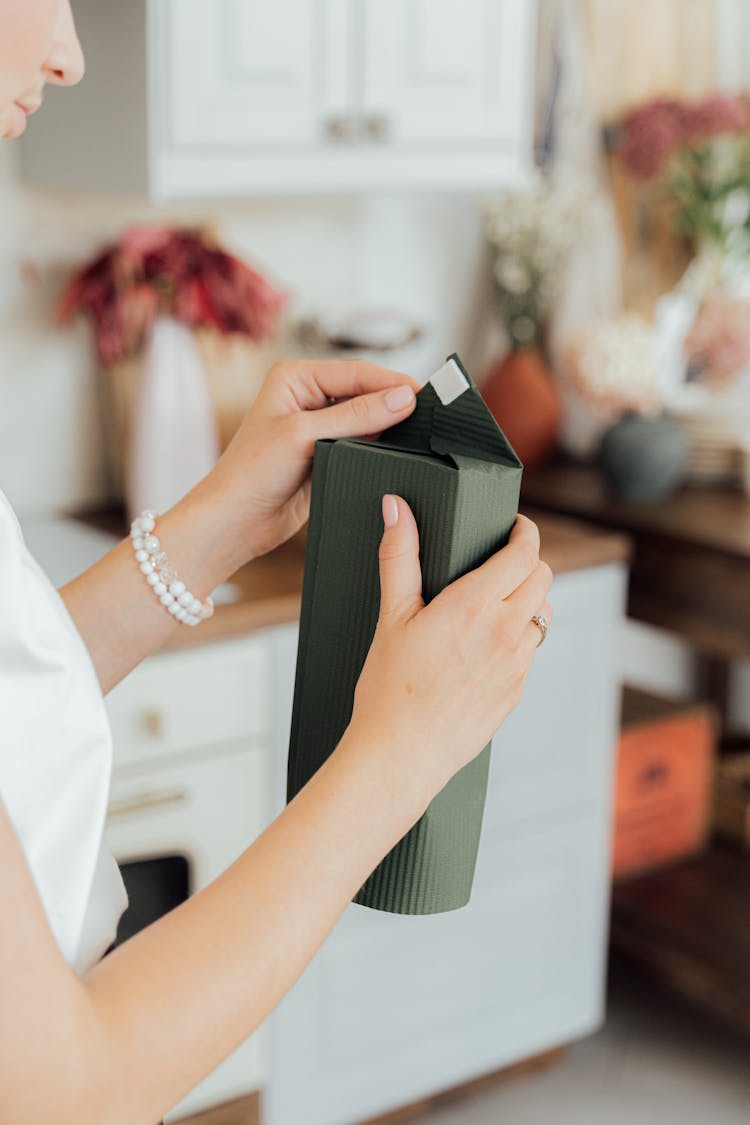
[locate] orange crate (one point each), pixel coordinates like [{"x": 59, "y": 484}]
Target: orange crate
[{"x": 664, "y": 782}]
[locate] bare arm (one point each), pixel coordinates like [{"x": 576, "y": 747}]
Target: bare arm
[
  {"x": 203, "y": 977},
  {"x": 114, "y": 610}
]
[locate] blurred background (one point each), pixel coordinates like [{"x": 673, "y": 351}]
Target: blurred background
[{"x": 559, "y": 191}]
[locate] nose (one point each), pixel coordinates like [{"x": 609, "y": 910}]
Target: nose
[{"x": 64, "y": 65}]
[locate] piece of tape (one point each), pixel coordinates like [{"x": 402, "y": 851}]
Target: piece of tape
[{"x": 449, "y": 382}]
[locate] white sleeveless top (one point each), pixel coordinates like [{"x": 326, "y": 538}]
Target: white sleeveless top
[{"x": 55, "y": 755}]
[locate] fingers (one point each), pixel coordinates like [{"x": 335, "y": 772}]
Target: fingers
[
  {"x": 511, "y": 565},
  {"x": 345, "y": 378},
  {"x": 314, "y": 382},
  {"x": 366, "y": 414},
  {"x": 527, "y": 598},
  {"x": 400, "y": 572}
]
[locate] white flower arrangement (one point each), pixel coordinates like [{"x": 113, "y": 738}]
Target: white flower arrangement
[
  {"x": 614, "y": 365},
  {"x": 530, "y": 232}
]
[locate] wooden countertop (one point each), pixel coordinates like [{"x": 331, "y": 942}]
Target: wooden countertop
[{"x": 270, "y": 587}]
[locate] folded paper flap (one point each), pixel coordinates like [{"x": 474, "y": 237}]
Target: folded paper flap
[
  {"x": 463, "y": 425},
  {"x": 339, "y": 445}
]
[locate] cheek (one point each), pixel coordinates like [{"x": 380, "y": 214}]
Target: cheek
[{"x": 27, "y": 29}]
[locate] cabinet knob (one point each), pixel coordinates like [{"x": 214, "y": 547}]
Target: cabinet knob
[
  {"x": 377, "y": 126},
  {"x": 153, "y": 722},
  {"x": 339, "y": 128}
]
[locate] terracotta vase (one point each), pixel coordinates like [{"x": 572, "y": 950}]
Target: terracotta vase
[{"x": 524, "y": 400}]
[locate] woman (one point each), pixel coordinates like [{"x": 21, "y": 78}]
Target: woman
[{"x": 122, "y": 1039}]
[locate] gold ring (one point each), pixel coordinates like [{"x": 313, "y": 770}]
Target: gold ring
[{"x": 542, "y": 625}]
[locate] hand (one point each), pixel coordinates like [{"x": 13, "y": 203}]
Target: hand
[
  {"x": 263, "y": 479},
  {"x": 440, "y": 679}
]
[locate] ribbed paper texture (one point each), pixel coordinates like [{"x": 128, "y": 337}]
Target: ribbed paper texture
[{"x": 465, "y": 507}]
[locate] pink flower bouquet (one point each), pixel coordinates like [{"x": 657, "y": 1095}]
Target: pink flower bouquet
[{"x": 718, "y": 344}]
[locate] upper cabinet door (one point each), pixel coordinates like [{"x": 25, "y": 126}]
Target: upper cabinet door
[
  {"x": 248, "y": 72},
  {"x": 205, "y": 99},
  {"x": 448, "y": 72}
]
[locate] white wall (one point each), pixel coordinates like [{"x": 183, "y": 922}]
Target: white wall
[{"x": 422, "y": 254}]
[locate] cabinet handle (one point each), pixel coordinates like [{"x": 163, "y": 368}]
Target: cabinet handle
[
  {"x": 377, "y": 126},
  {"x": 146, "y": 802},
  {"x": 153, "y": 722},
  {"x": 339, "y": 128}
]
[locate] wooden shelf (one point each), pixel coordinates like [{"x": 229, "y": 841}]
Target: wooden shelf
[
  {"x": 690, "y": 566},
  {"x": 690, "y": 926}
]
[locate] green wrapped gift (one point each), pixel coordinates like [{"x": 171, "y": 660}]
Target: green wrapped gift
[{"x": 456, "y": 470}]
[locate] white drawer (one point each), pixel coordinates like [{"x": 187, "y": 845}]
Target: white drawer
[
  {"x": 199, "y": 697},
  {"x": 556, "y": 750},
  {"x": 208, "y": 811}
]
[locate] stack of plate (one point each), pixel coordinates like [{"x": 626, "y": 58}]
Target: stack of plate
[
  {"x": 717, "y": 427},
  {"x": 714, "y": 445}
]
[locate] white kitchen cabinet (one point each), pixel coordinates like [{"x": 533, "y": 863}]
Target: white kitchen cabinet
[
  {"x": 218, "y": 98},
  {"x": 445, "y": 73},
  {"x": 395, "y": 1008},
  {"x": 248, "y": 73}
]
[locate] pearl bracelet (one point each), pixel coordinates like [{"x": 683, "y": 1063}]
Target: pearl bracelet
[{"x": 161, "y": 577}]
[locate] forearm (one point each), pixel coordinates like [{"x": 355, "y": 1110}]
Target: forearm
[
  {"x": 205, "y": 976},
  {"x": 119, "y": 618}
]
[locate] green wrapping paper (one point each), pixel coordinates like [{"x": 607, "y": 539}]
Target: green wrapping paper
[{"x": 456, "y": 470}]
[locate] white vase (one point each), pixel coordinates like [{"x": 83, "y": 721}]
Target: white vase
[{"x": 174, "y": 436}]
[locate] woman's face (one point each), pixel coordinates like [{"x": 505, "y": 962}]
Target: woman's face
[{"x": 38, "y": 44}]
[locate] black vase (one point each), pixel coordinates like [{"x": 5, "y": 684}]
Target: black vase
[{"x": 643, "y": 459}]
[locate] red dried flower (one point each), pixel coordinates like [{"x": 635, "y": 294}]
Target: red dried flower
[
  {"x": 151, "y": 270},
  {"x": 650, "y": 134},
  {"x": 721, "y": 113}
]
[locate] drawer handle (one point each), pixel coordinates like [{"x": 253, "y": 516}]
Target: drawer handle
[
  {"x": 339, "y": 128},
  {"x": 378, "y": 127},
  {"x": 146, "y": 802},
  {"x": 153, "y": 721}
]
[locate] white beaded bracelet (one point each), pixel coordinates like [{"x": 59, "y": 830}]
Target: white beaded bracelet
[{"x": 162, "y": 577}]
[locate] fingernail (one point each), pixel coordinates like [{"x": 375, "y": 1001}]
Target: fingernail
[
  {"x": 399, "y": 397},
  {"x": 390, "y": 511}
]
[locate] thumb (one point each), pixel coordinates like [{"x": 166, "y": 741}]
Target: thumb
[
  {"x": 364, "y": 414},
  {"x": 400, "y": 572}
]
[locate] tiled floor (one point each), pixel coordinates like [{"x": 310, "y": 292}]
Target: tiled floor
[{"x": 655, "y": 1063}]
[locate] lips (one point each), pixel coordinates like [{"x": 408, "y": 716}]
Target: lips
[{"x": 19, "y": 112}]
